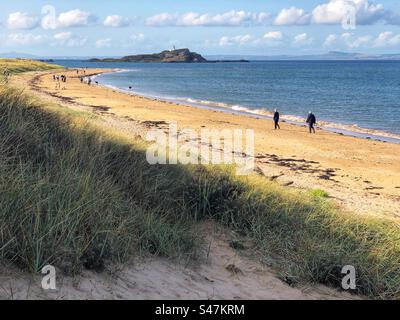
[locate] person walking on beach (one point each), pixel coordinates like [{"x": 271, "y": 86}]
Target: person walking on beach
[
  {"x": 276, "y": 119},
  {"x": 58, "y": 85},
  {"x": 311, "y": 120}
]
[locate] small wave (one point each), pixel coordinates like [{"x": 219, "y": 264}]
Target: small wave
[{"x": 125, "y": 70}]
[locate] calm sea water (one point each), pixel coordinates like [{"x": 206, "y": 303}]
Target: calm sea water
[{"x": 361, "y": 93}]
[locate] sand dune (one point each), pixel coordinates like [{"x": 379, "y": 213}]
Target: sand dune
[{"x": 224, "y": 274}]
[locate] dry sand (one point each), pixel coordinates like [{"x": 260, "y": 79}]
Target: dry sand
[
  {"x": 224, "y": 274},
  {"x": 362, "y": 175}
]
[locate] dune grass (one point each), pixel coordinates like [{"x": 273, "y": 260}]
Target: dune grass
[
  {"x": 64, "y": 199},
  {"x": 78, "y": 198},
  {"x": 24, "y": 65}
]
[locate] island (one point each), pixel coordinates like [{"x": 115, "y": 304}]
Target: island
[{"x": 166, "y": 56}]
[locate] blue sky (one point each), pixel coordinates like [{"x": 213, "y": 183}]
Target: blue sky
[{"x": 256, "y": 27}]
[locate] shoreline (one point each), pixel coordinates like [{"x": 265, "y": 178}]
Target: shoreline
[{"x": 337, "y": 128}]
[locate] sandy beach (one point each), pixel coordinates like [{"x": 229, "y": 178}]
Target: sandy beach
[{"x": 360, "y": 174}]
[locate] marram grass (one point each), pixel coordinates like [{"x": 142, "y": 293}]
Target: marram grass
[
  {"x": 77, "y": 198},
  {"x": 24, "y": 65}
]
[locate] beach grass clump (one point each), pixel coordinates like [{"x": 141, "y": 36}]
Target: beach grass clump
[
  {"x": 77, "y": 197},
  {"x": 25, "y": 65},
  {"x": 61, "y": 201},
  {"x": 319, "y": 193}
]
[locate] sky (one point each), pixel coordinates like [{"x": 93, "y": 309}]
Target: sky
[{"x": 234, "y": 27}]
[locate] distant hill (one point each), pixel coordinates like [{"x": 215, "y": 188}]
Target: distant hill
[
  {"x": 337, "y": 55},
  {"x": 330, "y": 56},
  {"x": 167, "y": 56},
  {"x": 179, "y": 55},
  {"x": 13, "y": 55}
]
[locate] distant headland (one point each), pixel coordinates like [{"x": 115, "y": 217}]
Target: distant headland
[{"x": 167, "y": 56}]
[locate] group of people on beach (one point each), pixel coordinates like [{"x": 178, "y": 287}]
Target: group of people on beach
[
  {"x": 58, "y": 79},
  {"x": 311, "y": 121},
  {"x": 63, "y": 78},
  {"x": 81, "y": 70},
  {"x": 88, "y": 81}
]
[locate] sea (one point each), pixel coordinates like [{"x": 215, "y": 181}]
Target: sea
[{"x": 361, "y": 98}]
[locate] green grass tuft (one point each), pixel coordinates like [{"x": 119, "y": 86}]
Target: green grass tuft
[{"x": 319, "y": 193}]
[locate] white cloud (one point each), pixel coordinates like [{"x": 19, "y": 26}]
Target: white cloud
[
  {"x": 138, "y": 37},
  {"x": 238, "y": 40},
  {"x": 68, "y": 39},
  {"x": 224, "y": 41},
  {"x": 387, "y": 39},
  {"x": 292, "y": 16},
  {"x": 335, "y": 11},
  {"x": 346, "y": 36},
  {"x": 24, "y": 39},
  {"x": 162, "y": 19},
  {"x": 355, "y": 42},
  {"x": 63, "y": 36},
  {"x": 73, "y": 18},
  {"x": 273, "y": 35},
  {"x": 302, "y": 39},
  {"x": 21, "y": 20},
  {"x": 116, "y": 21},
  {"x": 261, "y": 17},
  {"x": 330, "y": 40},
  {"x": 359, "y": 42},
  {"x": 384, "y": 39},
  {"x": 103, "y": 43},
  {"x": 191, "y": 19}
]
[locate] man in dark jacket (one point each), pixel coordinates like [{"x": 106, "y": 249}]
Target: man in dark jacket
[
  {"x": 276, "y": 119},
  {"x": 311, "y": 120}
]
